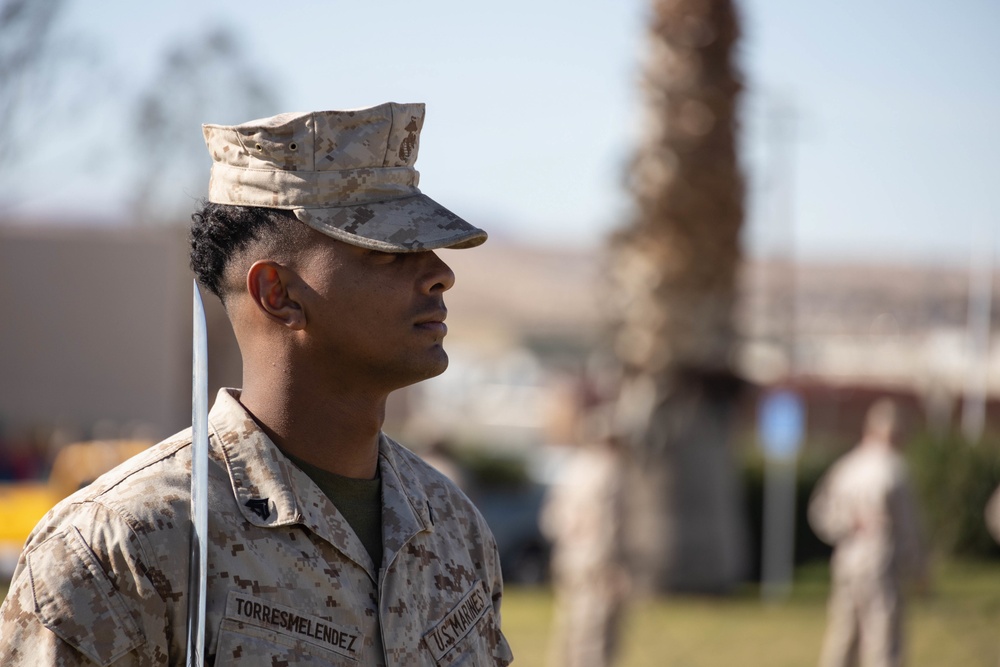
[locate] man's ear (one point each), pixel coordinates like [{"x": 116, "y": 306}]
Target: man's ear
[{"x": 268, "y": 284}]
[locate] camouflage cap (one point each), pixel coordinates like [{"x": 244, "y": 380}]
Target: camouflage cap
[{"x": 347, "y": 174}]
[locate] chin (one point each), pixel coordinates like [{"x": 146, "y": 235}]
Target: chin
[
  {"x": 430, "y": 367},
  {"x": 440, "y": 366}
]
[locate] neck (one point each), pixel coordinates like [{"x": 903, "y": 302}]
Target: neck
[{"x": 334, "y": 428}]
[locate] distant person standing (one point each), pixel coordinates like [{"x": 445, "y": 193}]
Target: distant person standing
[
  {"x": 993, "y": 515},
  {"x": 582, "y": 516},
  {"x": 865, "y": 509}
]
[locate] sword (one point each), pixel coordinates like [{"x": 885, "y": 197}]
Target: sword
[{"x": 198, "y": 575}]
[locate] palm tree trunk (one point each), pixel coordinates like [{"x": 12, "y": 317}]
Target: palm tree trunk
[{"x": 674, "y": 269}]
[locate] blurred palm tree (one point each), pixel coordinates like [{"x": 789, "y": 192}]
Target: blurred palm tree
[{"x": 674, "y": 277}]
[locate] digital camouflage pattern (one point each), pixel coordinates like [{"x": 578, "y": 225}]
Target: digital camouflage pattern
[
  {"x": 864, "y": 507},
  {"x": 347, "y": 174},
  {"x": 103, "y": 578}
]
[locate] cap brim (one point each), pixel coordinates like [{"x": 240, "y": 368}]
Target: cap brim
[{"x": 410, "y": 224}]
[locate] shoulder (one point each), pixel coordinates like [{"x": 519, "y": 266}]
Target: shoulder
[
  {"x": 407, "y": 458},
  {"x": 129, "y": 519},
  {"x": 851, "y": 466},
  {"x": 833, "y": 470},
  {"x": 433, "y": 482},
  {"x": 89, "y": 571},
  {"x": 152, "y": 473}
]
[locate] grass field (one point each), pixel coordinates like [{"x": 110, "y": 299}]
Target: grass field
[{"x": 958, "y": 625}]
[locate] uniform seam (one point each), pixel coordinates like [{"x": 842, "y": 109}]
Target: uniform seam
[
  {"x": 388, "y": 140},
  {"x": 132, "y": 523},
  {"x": 169, "y": 453},
  {"x": 120, "y": 608},
  {"x": 378, "y": 201}
]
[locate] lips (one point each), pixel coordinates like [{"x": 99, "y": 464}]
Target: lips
[
  {"x": 433, "y": 322},
  {"x": 439, "y": 328}
]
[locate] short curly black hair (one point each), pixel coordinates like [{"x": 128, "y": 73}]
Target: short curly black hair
[{"x": 222, "y": 232}]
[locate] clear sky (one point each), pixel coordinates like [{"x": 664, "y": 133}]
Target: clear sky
[{"x": 532, "y": 110}]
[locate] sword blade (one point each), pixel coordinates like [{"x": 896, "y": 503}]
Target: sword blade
[{"x": 197, "y": 576}]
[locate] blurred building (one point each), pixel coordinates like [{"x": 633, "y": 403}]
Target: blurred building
[
  {"x": 863, "y": 329},
  {"x": 97, "y": 334},
  {"x": 96, "y": 337}
]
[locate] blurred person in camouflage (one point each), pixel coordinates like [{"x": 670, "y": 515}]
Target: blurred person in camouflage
[
  {"x": 583, "y": 517},
  {"x": 865, "y": 508},
  {"x": 992, "y": 515},
  {"x": 329, "y": 542}
]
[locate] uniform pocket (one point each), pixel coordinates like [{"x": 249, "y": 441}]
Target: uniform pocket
[
  {"x": 75, "y": 599},
  {"x": 469, "y": 633},
  {"x": 255, "y": 632}
]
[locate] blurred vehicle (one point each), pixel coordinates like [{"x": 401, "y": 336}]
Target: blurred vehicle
[
  {"x": 74, "y": 467},
  {"x": 509, "y": 496},
  {"x": 512, "y": 515}
]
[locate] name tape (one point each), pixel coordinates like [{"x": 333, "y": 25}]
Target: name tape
[{"x": 343, "y": 639}]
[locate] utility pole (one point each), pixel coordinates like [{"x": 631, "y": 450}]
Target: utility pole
[
  {"x": 781, "y": 132},
  {"x": 980, "y": 309},
  {"x": 781, "y": 418}
]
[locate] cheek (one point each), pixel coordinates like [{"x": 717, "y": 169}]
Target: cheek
[
  {"x": 363, "y": 311},
  {"x": 367, "y": 316}
]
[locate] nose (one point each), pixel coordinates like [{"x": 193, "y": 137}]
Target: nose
[{"x": 437, "y": 276}]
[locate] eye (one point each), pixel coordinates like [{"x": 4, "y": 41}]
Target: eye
[{"x": 379, "y": 257}]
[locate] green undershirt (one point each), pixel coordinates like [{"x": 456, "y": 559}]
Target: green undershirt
[{"x": 359, "y": 500}]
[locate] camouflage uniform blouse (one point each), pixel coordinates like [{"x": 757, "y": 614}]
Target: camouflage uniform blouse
[
  {"x": 864, "y": 506},
  {"x": 103, "y": 577}
]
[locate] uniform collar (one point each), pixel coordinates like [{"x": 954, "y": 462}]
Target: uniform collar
[
  {"x": 272, "y": 492},
  {"x": 405, "y": 505}
]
